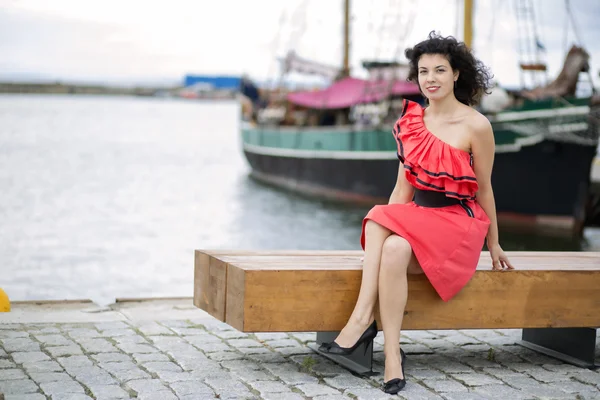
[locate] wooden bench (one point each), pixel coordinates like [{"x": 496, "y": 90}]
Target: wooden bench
[{"x": 553, "y": 296}]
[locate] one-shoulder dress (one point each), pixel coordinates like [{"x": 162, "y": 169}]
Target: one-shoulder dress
[{"x": 446, "y": 239}]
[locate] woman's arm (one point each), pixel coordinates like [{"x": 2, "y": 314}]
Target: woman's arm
[
  {"x": 483, "y": 149},
  {"x": 403, "y": 191}
]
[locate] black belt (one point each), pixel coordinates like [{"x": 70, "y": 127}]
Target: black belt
[{"x": 429, "y": 198}]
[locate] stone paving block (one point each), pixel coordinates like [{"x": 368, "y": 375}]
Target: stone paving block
[
  {"x": 99, "y": 378},
  {"x": 332, "y": 397},
  {"x": 417, "y": 348},
  {"x": 236, "y": 365},
  {"x": 171, "y": 343},
  {"x": 175, "y": 323},
  {"x": 225, "y": 355},
  {"x": 250, "y": 375},
  {"x": 290, "y": 374},
  {"x": 11, "y": 327},
  {"x": 574, "y": 387},
  {"x": 282, "y": 343},
  {"x": 29, "y": 357},
  {"x": 129, "y": 339},
  {"x": 74, "y": 362},
  {"x": 20, "y": 345},
  {"x": 83, "y": 333},
  {"x": 270, "y": 357},
  {"x": 13, "y": 334},
  {"x": 445, "y": 385},
  {"x": 292, "y": 351},
  {"x": 171, "y": 377},
  {"x": 60, "y": 351},
  {"x": 194, "y": 363},
  {"x": 186, "y": 388},
  {"x": 230, "y": 334},
  {"x": 548, "y": 376},
  {"x": 160, "y": 366},
  {"x": 254, "y": 350},
  {"x": 113, "y": 325},
  {"x": 108, "y": 392},
  {"x": 161, "y": 395},
  {"x": 466, "y": 396},
  {"x": 54, "y": 340},
  {"x": 44, "y": 377},
  {"x": 152, "y": 328},
  {"x": 3, "y": 354},
  {"x": 43, "y": 366},
  {"x": 459, "y": 339},
  {"x": 228, "y": 388},
  {"x": 30, "y": 396},
  {"x": 131, "y": 348},
  {"x": 59, "y": 389},
  {"x": 6, "y": 364},
  {"x": 110, "y": 357},
  {"x": 18, "y": 386},
  {"x": 131, "y": 375},
  {"x": 425, "y": 374},
  {"x": 198, "y": 397},
  {"x": 346, "y": 381},
  {"x": 587, "y": 376},
  {"x": 269, "y": 387},
  {"x": 146, "y": 385},
  {"x": 476, "y": 379},
  {"x": 97, "y": 346},
  {"x": 277, "y": 396},
  {"x": 415, "y": 391},
  {"x": 500, "y": 372},
  {"x": 450, "y": 367},
  {"x": 369, "y": 394},
  {"x": 10, "y": 374},
  {"x": 216, "y": 347},
  {"x": 244, "y": 343},
  {"x": 189, "y": 331},
  {"x": 145, "y": 357},
  {"x": 478, "y": 362},
  {"x": 115, "y": 333}
]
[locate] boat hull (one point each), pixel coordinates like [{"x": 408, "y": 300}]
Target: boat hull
[
  {"x": 543, "y": 187},
  {"x": 541, "y": 174}
]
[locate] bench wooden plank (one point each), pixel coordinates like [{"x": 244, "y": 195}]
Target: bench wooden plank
[{"x": 308, "y": 291}]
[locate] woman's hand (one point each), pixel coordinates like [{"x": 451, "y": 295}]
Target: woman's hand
[{"x": 500, "y": 261}]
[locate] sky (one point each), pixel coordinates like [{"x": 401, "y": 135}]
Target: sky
[{"x": 155, "y": 42}]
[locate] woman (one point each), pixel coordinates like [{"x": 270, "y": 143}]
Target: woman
[{"x": 442, "y": 207}]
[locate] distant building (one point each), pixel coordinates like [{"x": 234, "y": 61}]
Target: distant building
[
  {"x": 213, "y": 82},
  {"x": 210, "y": 87}
]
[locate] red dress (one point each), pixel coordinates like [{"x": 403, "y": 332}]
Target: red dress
[{"x": 447, "y": 241}]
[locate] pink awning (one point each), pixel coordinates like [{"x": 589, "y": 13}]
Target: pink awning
[{"x": 351, "y": 91}]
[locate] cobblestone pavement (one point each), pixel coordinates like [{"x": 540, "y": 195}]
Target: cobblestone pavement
[{"x": 205, "y": 359}]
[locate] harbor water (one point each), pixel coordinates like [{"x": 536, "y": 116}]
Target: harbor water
[{"x": 106, "y": 197}]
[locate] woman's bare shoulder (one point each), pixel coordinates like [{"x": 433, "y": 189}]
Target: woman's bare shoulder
[{"x": 478, "y": 123}]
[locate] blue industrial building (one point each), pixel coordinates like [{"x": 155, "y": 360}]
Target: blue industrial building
[{"x": 217, "y": 82}]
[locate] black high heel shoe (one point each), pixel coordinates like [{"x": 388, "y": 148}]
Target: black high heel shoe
[
  {"x": 395, "y": 385},
  {"x": 334, "y": 348}
]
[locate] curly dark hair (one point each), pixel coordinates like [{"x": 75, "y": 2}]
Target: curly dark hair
[{"x": 474, "y": 79}]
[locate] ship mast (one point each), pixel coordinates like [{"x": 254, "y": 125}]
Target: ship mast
[
  {"x": 346, "y": 66},
  {"x": 468, "y": 22}
]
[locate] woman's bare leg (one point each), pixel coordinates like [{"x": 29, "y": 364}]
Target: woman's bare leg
[
  {"x": 363, "y": 313},
  {"x": 397, "y": 260}
]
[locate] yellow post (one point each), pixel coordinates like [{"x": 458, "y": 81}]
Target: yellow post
[
  {"x": 4, "y": 301},
  {"x": 468, "y": 23}
]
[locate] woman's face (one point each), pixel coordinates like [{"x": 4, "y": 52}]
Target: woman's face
[{"x": 436, "y": 77}]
